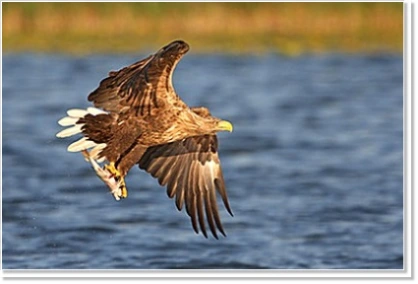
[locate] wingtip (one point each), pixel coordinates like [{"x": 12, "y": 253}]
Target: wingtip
[
  {"x": 228, "y": 208},
  {"x": 222, "y": 231}
]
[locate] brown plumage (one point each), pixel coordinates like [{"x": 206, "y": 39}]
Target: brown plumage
[{"x": 139, "y": 119}]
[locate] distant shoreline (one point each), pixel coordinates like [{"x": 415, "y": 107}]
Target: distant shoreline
[{"x": 288, "y": 28}]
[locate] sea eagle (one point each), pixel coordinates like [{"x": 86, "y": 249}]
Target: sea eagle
[{"x": 138, "y": 118}]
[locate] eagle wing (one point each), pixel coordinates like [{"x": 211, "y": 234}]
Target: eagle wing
[
  {"x": 192, "y": 172},
  {"x": 142, "y": 86}
]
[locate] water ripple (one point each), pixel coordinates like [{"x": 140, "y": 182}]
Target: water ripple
[{"x": 313, "y": 168}]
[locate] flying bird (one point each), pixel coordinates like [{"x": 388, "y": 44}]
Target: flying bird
[{"x": 138, "y": 118}]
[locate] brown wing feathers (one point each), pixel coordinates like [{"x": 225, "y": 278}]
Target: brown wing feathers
[
  {"x": 142, "y": 85},
  {"x": 192, "y": 172},
  {"x": 134, "y": 87}
]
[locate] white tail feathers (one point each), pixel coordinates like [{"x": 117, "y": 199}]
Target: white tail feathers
[
  {"x": 70, "y": 131},
  {"x": 81, "y": 145},
  {"x": 75, "y": 112},
  {"x": 75, "y": 128},
  {"x": 95, "y": 111},
  {"x": 67, "y": 121},
  {"x": 71, "y": 120},
  {"x": 84, "y": 144}
]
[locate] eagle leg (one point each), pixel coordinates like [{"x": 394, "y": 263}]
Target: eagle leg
[
  {"x": 118, "y": 177},
  {"x": 109, "y": 177}
]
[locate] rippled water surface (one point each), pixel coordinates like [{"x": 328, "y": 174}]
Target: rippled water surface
[{"x": 313, "y": 168}]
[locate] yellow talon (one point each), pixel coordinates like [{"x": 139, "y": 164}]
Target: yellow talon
[
  {"x": 123, "y": 189},
  {"x": 118, "y": 177},
  {"x": 111, "y": 168}
]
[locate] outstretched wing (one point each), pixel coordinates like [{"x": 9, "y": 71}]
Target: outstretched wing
[
  {"x": 142, "y": 86},
  {"x": 192, "y": 172}
]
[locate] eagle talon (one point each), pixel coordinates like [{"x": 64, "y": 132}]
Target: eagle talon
[
  {"x": 110, "y": 176},
  {"x": 121, "y": 189}
]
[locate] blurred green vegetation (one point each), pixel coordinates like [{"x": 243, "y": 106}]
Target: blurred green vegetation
[{"x": 290, "y": 28}]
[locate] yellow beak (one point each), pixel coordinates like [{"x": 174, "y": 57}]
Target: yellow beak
[{"x": 224, "y": 125}]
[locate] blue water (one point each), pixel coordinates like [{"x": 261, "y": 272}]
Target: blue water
[{"x": 314, "y": 167}]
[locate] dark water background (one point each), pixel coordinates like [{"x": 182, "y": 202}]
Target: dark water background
[{"x": 313, "y": 167}]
